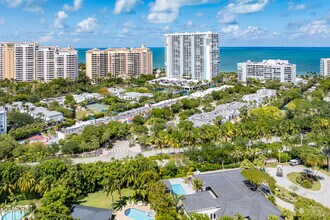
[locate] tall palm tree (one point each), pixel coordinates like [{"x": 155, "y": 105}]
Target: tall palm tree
[{"x": 197, "y": 184}]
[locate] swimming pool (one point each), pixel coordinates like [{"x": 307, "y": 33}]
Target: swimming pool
[
  {"x": 137, "y": 214},
  {"x": 13, "y": 215},
  {"x": 178, "y": 190}
]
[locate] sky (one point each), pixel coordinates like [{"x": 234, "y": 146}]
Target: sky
[{"x": 131, "y": 23}]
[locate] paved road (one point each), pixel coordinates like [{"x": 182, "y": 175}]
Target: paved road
[
  {"x": 125, "y": 153},
  {"x": 321, "y": 196},
  {"x": 284, "y": 204}
]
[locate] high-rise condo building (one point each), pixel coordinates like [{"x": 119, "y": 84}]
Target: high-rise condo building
[
  {"x": 119, "y": 62},
  {"x": 192, "y": 55},
  {"x": 54, "y": 62},
  {"x": 45, "y": 63},
  {"x": 29, "y": 61},
  {"x": 24, "y": 61},
  {"x": 280, "y": 70},
  {"x": 3, "y": 121},
  {"x": 66, "y": 63},
  {"x": 6, "y": 61},
  {"x": 325, "y": 67},
  {"x": 96, "y": 64}
]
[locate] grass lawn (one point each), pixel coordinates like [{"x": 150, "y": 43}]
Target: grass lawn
[
  {"x": 27, "y": 202},
  {"x": 292, "y": 177},
  {"x": 81, "y": 114},
  {"x": 101, "y": 200}
]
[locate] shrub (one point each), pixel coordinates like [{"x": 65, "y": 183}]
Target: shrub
[{"x": 306, "y": 184}]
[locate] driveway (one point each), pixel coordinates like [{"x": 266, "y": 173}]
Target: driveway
[{"x": 321, "y": 196}]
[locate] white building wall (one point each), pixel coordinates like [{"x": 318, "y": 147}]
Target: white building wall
[
  {"x": 24, "y": 59},
  {"x": 325, "y": 67},
  {"x": 3, "y": 121},
  {"x": 280, "y": 70},
  {"x": 192, "y": 55}
]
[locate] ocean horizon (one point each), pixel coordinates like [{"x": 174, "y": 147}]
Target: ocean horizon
[{"x": 307, "y": 59}]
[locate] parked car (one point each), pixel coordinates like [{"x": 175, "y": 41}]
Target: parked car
[
  {"x": 279, "y": 171},
  {"x": 265, "y": 191},
  {"x": 295, "y": 162}
]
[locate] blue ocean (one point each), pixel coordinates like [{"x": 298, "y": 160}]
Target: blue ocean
[{"x": 307, "y": 59}]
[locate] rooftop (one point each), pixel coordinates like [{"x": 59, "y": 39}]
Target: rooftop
[
  {"x": 90, "y": 213},
  {"x": 230, "y": 196}
]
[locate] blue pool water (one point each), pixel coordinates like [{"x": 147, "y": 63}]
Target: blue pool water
[
  {"x": 178, "y": 190},
  {"x": 13, "y": 215},
  {"x": 136, "y": 214}
]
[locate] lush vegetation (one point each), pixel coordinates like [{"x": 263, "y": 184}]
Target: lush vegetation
[{"x": 301, "y": 121}]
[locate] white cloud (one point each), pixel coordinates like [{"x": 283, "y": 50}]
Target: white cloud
[
  {"x": 296, "y": 7},
  {"x": 60, "y": 18},
  {"x": 87, "y": 25},
  {"x": 34, "y": 6},
  {"x": 12, "y": 3},
  {"x": 166, "y": 28},
  {"x": 2, "y": 20},
  {"x": 167, "y": 11},
  {"x": 47, "y": 38},
  {"x": 76, "y": 39},
  {"x": 319, "y": 28},
  {"x": 163, "y": 17},
  {"x": 199, "y": 14},
  {"x": 125, "y": 6},
  {"x": 189, "y": 23},
  {"x": 77, "y": 4},
  {"x": 230, "y": 12},
  {"x": 251, "y": 32}
]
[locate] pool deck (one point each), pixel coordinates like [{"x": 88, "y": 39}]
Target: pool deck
[
  {"x": 120, "y": 215},
  {"x": 186, "y": 187}
]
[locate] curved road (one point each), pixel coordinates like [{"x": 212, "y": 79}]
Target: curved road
[{"x": 322, "y": 196}]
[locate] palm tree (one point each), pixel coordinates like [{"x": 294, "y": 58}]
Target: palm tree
[
  {"x": 326, "y": 152},
  {"x": 177, "y": 199},
  {"x": 110, "y": 189},
  {"x": 26, "y": 183},
  {"x": 197, "y": 184}
]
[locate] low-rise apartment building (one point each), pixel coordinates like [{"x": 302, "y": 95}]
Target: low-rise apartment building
[{"x": 280, "y": 70}]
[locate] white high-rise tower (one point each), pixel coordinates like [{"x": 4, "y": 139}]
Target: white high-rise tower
[
  {"x": 325, "y": 67},
  {"x": 192, "y": 55}
]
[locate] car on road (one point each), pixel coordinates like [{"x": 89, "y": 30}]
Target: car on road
[
  {"x": 295, "y": 162},
  {"x": 279, "y": 171}
]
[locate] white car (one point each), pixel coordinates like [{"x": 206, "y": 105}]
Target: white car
[{"x": 295, "y": 162}]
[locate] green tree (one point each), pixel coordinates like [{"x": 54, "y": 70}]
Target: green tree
[{"x": 197, "y": 184}]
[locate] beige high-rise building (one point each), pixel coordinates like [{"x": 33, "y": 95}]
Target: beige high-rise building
[
  {"x": 119, "y": 62},
  {"x": 6, "y": 61}
]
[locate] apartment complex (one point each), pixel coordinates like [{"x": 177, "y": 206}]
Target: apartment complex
[
  {"x": 325, "y": 67},
  {"x": 119, "y": 62},
  {"x": 29, "y": 61},
  {"x": 192, "y": 55},
  {"x": 280, "y": 70},
  {"x": 3, "y": 121}
]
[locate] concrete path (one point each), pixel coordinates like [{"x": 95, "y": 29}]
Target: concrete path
[
  {"x": 321, "y": 196},
  {"x": 124, "y": 152},
  {"x": 284, "y": 204}
]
